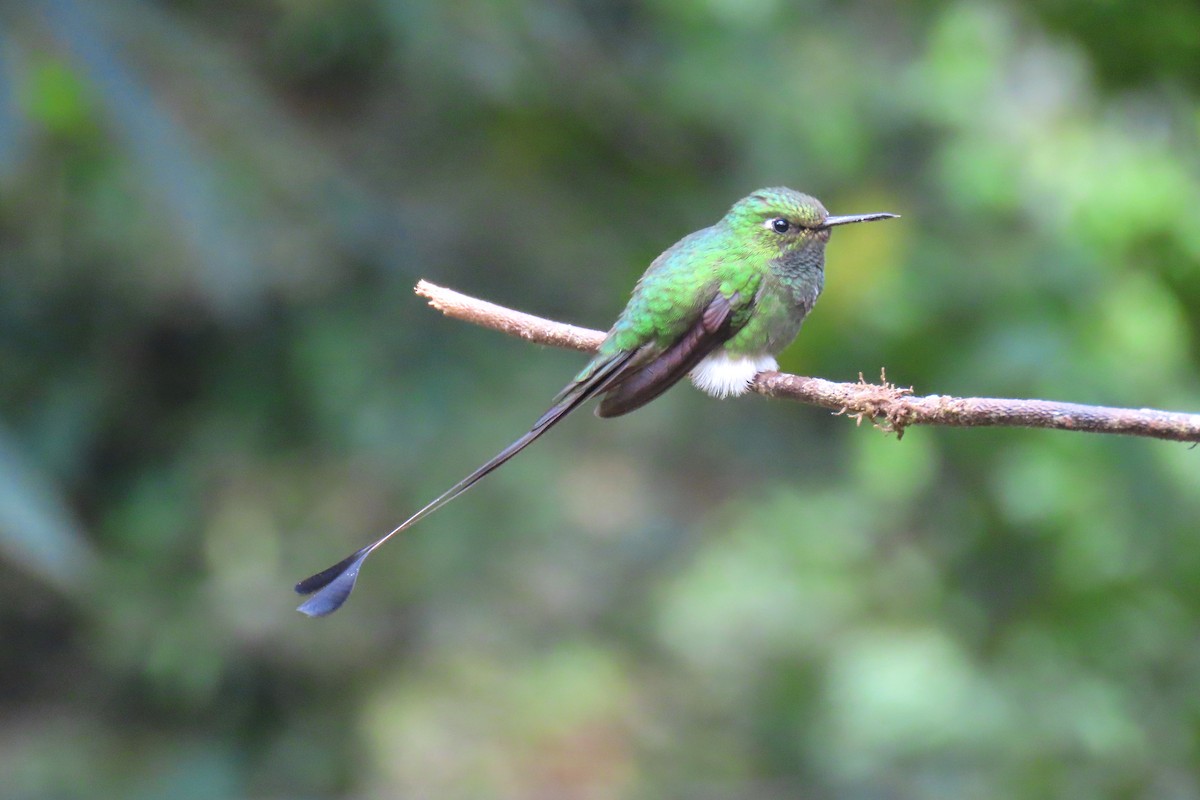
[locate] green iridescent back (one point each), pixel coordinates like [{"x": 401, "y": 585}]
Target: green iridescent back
[{"x": 738, "y": 256}]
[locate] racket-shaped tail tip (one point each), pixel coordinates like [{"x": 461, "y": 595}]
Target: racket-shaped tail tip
[{"x": 331, "y": 588}]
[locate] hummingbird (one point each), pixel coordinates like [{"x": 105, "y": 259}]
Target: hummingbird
[{"x": 717, "y": 306}]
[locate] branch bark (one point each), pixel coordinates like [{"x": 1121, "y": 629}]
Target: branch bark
[{"x": 890, "y": 407}]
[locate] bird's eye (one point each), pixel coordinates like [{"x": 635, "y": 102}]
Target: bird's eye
[{"x": 780, "y": 225}]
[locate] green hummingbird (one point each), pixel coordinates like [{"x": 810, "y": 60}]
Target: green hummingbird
[{"x": 717, "y": 305}]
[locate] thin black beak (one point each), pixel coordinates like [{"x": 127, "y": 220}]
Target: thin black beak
[{"x": 846, "y": 220}]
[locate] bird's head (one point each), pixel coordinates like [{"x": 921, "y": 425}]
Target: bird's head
[{"x": 787, "y": 220}]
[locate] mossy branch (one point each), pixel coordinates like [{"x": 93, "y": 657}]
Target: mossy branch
[{"x": 890, "y": 407}]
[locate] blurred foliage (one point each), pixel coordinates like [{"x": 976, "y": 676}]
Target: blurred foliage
[{"x": 216, "y": 380}]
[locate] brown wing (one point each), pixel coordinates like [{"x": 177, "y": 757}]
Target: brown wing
[{"x": 639, "y": 385}]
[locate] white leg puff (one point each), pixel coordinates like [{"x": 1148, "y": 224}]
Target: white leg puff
[{"x": 723, "y": 375}]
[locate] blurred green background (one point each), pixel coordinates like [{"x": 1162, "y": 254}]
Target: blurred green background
[{"x": 214, "y": 380}]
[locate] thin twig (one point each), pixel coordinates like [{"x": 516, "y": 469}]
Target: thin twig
[{"x": 889, "y": 407}]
